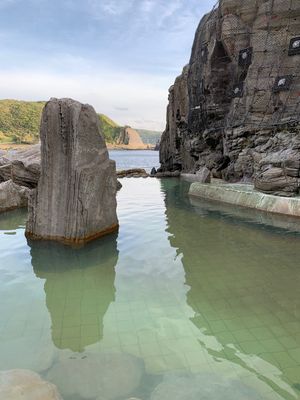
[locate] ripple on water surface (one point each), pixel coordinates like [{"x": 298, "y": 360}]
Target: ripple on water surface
[{"x": 187, "y": 301}]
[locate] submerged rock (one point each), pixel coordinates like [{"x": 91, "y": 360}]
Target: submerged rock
[
  {"x": 75, "y": 200},
  {"x": 237, "y": 101},
  {"x": 107, "y": 375},
  {"x": 12, "y": 196},
  {"x": 26, "y": 385}
]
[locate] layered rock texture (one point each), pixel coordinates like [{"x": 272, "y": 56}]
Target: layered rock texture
[
  {"x": 75, "y": 200},
  {"x": 235, "y": 109},
  {"x": 12, "y": 196},
  {"x": 21, "y": 166}
]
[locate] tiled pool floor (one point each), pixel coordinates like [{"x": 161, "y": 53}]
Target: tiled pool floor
[{"x": 185, "y": 303}]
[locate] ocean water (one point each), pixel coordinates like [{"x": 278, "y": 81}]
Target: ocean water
[
  {"x": 189, "y": 301},
  {"x": 146, "y": 159}
]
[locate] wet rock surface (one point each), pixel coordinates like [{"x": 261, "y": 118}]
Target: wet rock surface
[
  {"x": 12, "y": 196},
  {"x": 26, "y": 385},
  {"x": 236, "y": 104},
  {"x": 75, "y": 200}
]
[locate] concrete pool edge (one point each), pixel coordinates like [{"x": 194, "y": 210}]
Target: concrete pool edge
[{"x": 244, "y": 195}]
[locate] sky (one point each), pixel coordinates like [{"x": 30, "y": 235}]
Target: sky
[{"x": 120, "y": 56}]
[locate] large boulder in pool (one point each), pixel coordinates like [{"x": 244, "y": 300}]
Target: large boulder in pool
[
  {"x": 75, "y": 200},
  {"x": 12, "y": 196},
  {"x": 26, "y": 385}
]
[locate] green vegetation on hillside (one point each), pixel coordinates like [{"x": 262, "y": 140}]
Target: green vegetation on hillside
[
  {"x": 149, "y": 137},
  {"x": 20, "y": 121},
  {"x": 110, "y": 129}
]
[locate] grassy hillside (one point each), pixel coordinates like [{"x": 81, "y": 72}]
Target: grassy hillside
[
  {"x": 110, "y": 129},
  {"x": 20, "y": 122},
  {"x": 149, "y": 137}
]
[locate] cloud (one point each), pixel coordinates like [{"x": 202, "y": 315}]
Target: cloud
[
  {"x": 100, "y": 8},
  {"x": 119, "y": 55}
]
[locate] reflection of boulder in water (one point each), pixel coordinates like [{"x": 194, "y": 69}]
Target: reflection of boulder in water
[
  {"x": 107, "y": 375},
  {"x": 79, "y": 288},
  {"x": 202, "y": 387}
]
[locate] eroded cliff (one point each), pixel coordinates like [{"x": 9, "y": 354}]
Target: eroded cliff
[{"x": 235, "y": 107}]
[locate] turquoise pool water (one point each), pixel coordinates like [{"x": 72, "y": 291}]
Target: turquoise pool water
[{"x": 186, "y": 302}]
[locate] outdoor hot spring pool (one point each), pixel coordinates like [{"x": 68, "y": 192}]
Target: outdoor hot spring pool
[{"x": 186, "y": 302}]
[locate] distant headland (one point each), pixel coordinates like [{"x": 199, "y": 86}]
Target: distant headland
[{"x": 20, "y": 124}]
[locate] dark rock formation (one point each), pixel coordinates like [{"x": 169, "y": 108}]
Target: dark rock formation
[
  {"x": 12, "y": 196},
  {"x": 75, "y": 200},
  {"x": 157, "y": 146},
  {"x": 119, "y": 186},
  {"x": 21, "y": 166},
  {"x": 235, "y": 108}
]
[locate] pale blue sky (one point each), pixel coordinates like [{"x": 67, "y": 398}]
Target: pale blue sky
[{"x": 121, "y": 56}]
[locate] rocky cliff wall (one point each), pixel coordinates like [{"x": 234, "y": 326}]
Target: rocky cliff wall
[{"x": 235, "y": 107}]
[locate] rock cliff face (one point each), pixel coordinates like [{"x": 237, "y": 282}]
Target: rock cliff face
[
  {"x": 235, "y": 108},
  {"x": 75, "y": 200},
  {"x": 130, "y": 138}
]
